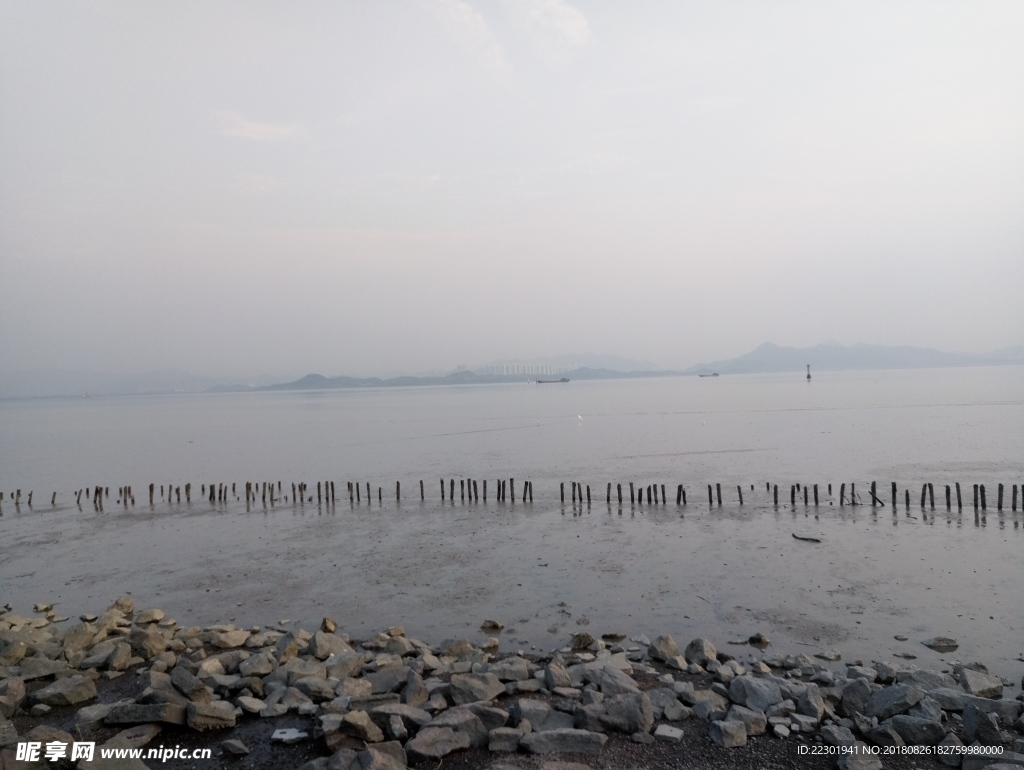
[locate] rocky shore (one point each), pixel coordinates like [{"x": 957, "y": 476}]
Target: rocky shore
[{"x": 283, "y": 697}]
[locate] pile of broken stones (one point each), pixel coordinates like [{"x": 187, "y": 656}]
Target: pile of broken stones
[{"x": 391, "y": 701}]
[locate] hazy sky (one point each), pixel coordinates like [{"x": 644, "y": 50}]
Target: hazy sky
[{"x": 231, "y": 188}]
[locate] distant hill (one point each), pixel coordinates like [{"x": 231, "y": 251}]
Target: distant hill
[
  {"x": 836, "y": 357},
  {"x": 465, "y": 377}
]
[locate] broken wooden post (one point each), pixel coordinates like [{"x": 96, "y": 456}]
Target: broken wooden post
[
  {"x": 931, "y": 496},
  {"x": 906, "y": 493},
  {"x": 619, "y": 488},
  {"x": 679, "y": 494},
  {"x": 815, "y": 495},
  {"x": 462, "y": 490},
  {"x": 152, "y": 489},
  {"x": 1014, "y": 497},
  {"x": 485, "y": 490},
  {"x": 842, "y": 494},
  {"x": 398, "y": 490},
  {"x": 792, "y": 495},
  {"x": 984, "y": 506},
  {"x": 776, "y": 493},
  {"x": 959, "y": 502},
  {"x": 924, "y": 491},
  {"x": 451, "y": 490},
  {"x": 318, "y": 498},
  {"x": 718, "y": 493},
  {"x": 975, "y": 497},
  {"x": 805, "y": 495},
  {"x": 711, "y": 499},
  {"x": 739, "y": 493},
  {"x": 999, "y": 498},
  {"x": 609, "y": 499},
  {"x": 512, "y": 486},
  {"x": 874, "y": 497},
  {"x": 588, "y": 495},
  {"x": 422, "y": 496},
  {"x": 949, "y": 505},
  {"x": 853, "y": 493},
  {"x": 188, "y": 493},
  {"x": 632, "y": 496},
  {"x": 561, "y": 490},
  {"x": 442, "y": 490}
]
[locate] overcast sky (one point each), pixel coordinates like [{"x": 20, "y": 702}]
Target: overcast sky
[{"x": 231, "y": 188}]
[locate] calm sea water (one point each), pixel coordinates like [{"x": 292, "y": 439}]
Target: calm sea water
[
  {"x": 909, "y": 426},
  {"x": 547, "y": 569}
]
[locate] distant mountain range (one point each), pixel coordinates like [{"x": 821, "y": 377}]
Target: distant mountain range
[
  {"x": 465, "y": 377},
  {"x": 835, "y": 357},
  {"x": 41, "y": 383}
]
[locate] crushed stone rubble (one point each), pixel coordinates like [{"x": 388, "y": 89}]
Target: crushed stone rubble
[{"x": 391, "y": 701}]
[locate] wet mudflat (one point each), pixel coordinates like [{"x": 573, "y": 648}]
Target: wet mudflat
[{"x": 547, "y": 571}]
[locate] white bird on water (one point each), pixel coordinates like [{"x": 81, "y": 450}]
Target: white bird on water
[{"x": 580, "y": 416}]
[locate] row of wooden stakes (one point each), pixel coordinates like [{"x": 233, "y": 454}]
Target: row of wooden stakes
[{"x": 504, "y": 488}]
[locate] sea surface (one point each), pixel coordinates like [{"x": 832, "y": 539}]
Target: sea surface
[{"x": 545, "y": 569}]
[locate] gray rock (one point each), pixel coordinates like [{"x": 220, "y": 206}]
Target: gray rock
[
  {"x": 436, "y": 742},
  {"x": 1008, "y": 760},
  {"x": 780, "y": 731},
  {"x": 890, "y": 701},
  {"x": 359, "y": 725},
  {"x": 668, "y": 734},
  {"x": 134, "y": 737},
  {"x": 949, "y": 698},
  {"x": 941, "y": 644},
  {"x": 373, "y": 759},
  {"x": 511, "y": 670},
  {"x": 860, "y": 759},
  {"x": 926, "y": 708},
  {"x": 754, "y": 722},
  {"x": 980, "y": 726},
  {"x": 215, "y": 715},
  {"x": 564, "y": 741},
  {"x": 884, "y": 735},
  {"x": 234, "y": 747},
  {"x": 952, "y": 743},
  {"x": 979, "y": 684},
  {"x": 755, "y": 694},
  {"x": 663, "y": 648},
  {"x": 835, "y": 735},
  {"x": 675, "y": 712},
  {"x": 323, "y": 645},
  {"x": 345, "y": 665},
  {"x": 861, "y": 672},
  {"x": 700, "y": 652},
  {"x": 925, "y": 680},
  {"x": 628, "y": 713},
  {"x": 260, "y": 664},
  {"x": 661, "y": 697},
  {"x": 467, "y": 688},
  {"x": 90, "y": 718},
  {"x": 504, "y": 739},
  {"x": 811, "y": 704},
  {"x": 12, "y": 695},
  {"x": 413, "y": 718},
  {"x": 612, "y": 680},
  {"x": 916, "y": 731},
  {"x": 555, "y": 675},
  {"x": 139, "y": 713},
  {"x": 728, "y": 734},
  {"x": 415, "y": 692},
  {"x": 711, "y": 710},
  {"x": 491, "y": 716},
  {"x": 317, "y": 690},
  {"x": 66, "y": 692},
  {"x": 388, "y": 679},
  {"x": 855, "y": 697},
  {"x": 462, "y": 720}
]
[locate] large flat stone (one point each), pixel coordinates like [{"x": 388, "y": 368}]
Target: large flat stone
[{"x": 564, "y": 741}]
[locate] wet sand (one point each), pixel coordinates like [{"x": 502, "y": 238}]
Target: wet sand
[{"x": 547, "y": 571}]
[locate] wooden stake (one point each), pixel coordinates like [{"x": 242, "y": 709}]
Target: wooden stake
[
  {"x": 619, "y": 488},
  {"x": 959, "y": 502},
  {"x": 679, "y": 494},
  {"x": 422, "y": 496},
  {"x": 718, "y": 493},
  {"x": 739, "y": 493}
]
